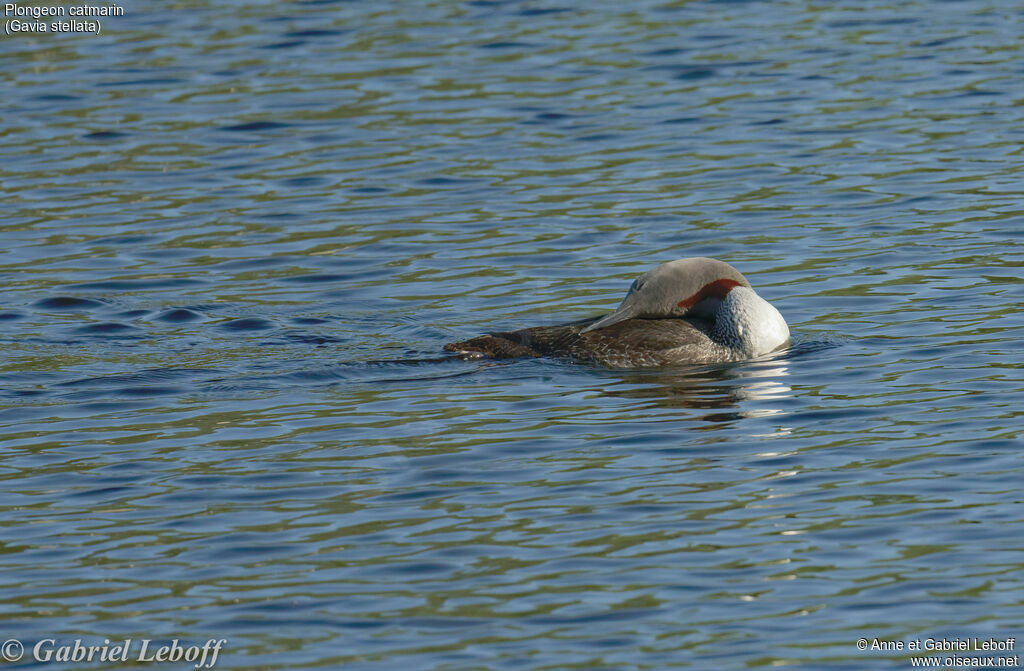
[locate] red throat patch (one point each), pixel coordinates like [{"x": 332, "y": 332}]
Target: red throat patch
[{"x": 717, "y": 289}]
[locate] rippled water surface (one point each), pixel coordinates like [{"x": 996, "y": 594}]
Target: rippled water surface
[{"x": 236, "y": 236}]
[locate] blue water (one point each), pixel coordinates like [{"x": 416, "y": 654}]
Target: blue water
[{"x": 235, "y": 239}]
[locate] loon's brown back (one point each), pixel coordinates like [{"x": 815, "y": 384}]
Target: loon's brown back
[{"x": 632, "y": 343}]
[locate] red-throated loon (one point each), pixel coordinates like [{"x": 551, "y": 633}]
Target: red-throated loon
[{"x": 690, "y": 311}]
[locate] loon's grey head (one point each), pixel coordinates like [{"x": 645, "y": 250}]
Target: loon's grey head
[{"x": 694, "y": 286}]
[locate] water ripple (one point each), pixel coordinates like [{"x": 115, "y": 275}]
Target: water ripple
[{"x": 231, "y": 261}]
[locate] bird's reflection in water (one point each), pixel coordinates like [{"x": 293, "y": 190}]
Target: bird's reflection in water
[{"x": 720, "y": 394}]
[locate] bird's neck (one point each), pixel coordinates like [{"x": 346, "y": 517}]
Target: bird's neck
[{"x": 746, "y": 322}]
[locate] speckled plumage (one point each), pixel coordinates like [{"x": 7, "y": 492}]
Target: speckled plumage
[{"x": 634, "y": 343}]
